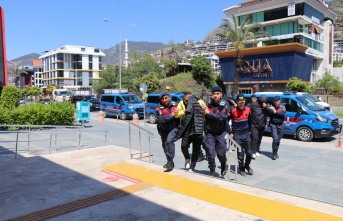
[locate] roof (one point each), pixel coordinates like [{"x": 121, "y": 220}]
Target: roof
[{"x": 37, "y": 63}]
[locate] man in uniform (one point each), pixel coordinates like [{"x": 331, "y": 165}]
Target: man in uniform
[
  {"x": 167, "y": 127},
  {"x": 216, "y": 112},
  {"x": 240, "y": 133}
]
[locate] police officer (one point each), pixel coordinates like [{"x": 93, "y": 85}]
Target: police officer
[
  {"x": 258, "y": 121},
  {"x": 167, "y": 127},
  {"x": 240, "y": 133},
  {"x": 216, "y": 111},
  {"x": 277, "y": 114}
]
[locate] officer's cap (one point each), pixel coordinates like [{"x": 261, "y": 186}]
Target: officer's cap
[
  {"x": 240, "y": 98},
  {"x": 164, "y": 93},
  {"x": 276, "y": 98},
  {"x": 217, "y": 89}
]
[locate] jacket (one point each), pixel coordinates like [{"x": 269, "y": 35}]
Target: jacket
[
  {"x": 165, "y": 120},
  {"x": 278, "y": 117},
  {"x": 240, "y": 119},
  {"x": 257, "y": 117},
  {"x": 216, "y": 119}
]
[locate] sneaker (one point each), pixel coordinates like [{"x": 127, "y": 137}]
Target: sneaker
[
  {"x": 258, "y": 154},
  {"x": 243, "y": 173},
  {"x": 253, "y": 156},
  {"x": 250, "y": 171},
  {"x": 190, "y": 170},
  {"x": 188, "y": 164}
]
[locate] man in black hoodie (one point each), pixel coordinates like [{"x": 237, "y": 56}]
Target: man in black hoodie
[{"x": 258, "y": 122}]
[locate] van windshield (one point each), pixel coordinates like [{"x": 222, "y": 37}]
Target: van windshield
[
  {"x": 132, "y": 98},
  {"x": 309, "y": 104},
  {"x": 311, "y": 97}
]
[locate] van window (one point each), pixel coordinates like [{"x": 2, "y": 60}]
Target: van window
[
  {"x": 108, "y": 99},
  {"x": 119, "y": 100},
  {"x": 175, "y": 99},
  {"x": 290, "y": 104},
  {"x": 309, "y": 104},
  {"x": 153, "y": 99},
  {"x": 132, "y": 98}
]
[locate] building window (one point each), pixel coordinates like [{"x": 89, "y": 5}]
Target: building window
[
  {"x": 90, "y": 66},
  {"x": 60, "y": 74},
  {"x": 83, "y": 49},
  {"x": 90, "y": 58},
  {"x": 60, "y": 57}
]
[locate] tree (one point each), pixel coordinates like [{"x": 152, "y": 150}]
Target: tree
[
  {"x": 170, "y": 67},
  {"x": 295, "y": 84},
  {"x": 330, "y": 83},
  {"x": 202, "y": 72},
  {"x": 239, "y": 35},
  {"x": 151, "y": 80},
  {"x": 109, "y": 79}
]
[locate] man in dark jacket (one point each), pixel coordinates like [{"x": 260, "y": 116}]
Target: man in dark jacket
[
  {"x": 216, "y": 112},
  {"x": 258, "y": 122},
  {"x": 167, "y": 127},
  {"x": 277, "y": 114}
]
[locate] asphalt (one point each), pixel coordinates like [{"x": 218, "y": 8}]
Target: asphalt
[{"x": 101, "y": 182}]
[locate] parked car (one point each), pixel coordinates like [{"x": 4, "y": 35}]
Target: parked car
[
  {"x": 21, "y": 101},
  {"x": 151, "y": 103},
  {"x": 46, "y": 101},
  {"x": 94, "y": 102},
  {"x": 122, "y": 105}
]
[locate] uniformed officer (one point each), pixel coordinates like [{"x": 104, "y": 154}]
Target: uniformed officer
[
  {"x": 216, "y": 112},
  {"x": 277, "y": 114},
  {"x": 240, "y": 133},
  {"x": 167, "y": 127}
]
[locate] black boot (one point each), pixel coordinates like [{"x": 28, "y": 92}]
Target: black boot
[
  {"x": 169, "y": 165},
  {"x": 274, "y": 154},
  {"x": 241, "y": 169},
  {"x": 191, "y": 169},
  {"x": 201, "y": 156},
  {"x": 224, "y": 169},
  {"x": 212, "y": 171},
  {"x": 247, "y": 165}
]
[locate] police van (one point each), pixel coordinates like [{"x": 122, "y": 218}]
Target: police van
[
  {"x": 304, "y": 118},
  {"x": 123, "y": 105}
]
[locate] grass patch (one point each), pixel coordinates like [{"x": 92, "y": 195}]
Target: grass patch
[
  {"x": 182, "y": 82},
  {"x": 338, "y": 113}
]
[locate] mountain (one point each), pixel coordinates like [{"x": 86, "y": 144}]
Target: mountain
[
  {"x": 337, "y": 7},
  {"x": 112, "y": 54}
]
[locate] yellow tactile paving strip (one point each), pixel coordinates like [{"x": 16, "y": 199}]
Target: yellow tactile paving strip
[
  {"x": 254, "y": 205},
  {"x": 62, "y": 209}
]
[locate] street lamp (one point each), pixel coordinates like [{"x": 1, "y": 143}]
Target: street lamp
[{"x": 120, "y": 27}]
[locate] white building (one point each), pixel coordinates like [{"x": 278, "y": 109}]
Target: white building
[{"x": 72, "y": 67}]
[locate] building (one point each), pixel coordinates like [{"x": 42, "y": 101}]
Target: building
[
  {"x": 72, "y": 67},
  {"x": 301, "y": 34}
]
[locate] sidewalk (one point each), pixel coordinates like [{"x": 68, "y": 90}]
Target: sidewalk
[{"x": 103, "y": 183}]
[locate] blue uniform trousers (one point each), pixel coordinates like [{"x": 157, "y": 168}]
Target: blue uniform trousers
[
  {"x": 216, "y": 145},
  {"x": 277, "y": 133},
  {"x": 243, "y": 139},
  {"x": 167, "y": 142}
]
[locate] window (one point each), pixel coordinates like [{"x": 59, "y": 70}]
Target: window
[
  {"x": 119, "y": 100},
  {"x": 108, "y": 99},
  {"x": 290, "y": 104}
]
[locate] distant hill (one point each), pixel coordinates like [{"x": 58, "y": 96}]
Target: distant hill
[
  {"x": 337, "y": 7},
  {"x": 112, "y": 54}
]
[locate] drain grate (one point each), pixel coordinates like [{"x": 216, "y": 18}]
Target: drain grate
[{"x": 81, "y": 203}]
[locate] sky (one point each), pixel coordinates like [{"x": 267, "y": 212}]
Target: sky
[{"x": 35, "y": 26}]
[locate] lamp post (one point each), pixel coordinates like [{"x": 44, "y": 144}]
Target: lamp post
[{"x": 119, "y": 27}]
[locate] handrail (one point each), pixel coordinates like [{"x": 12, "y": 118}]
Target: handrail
[
  {"x": 232, "y": 148},
  {"x": 55, "y": 132},
  {"x": 150, "y": 135}
]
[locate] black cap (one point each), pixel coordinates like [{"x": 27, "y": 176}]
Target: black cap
[
  {"x": 217, "y": 89},
  {"x": 276, "y": 98},
  {"x": 164, "y": 93},
  {"x": 263, "y": 98}
]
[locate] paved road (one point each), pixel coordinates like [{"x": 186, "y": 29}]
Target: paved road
[{"x": 310, "y": 170}]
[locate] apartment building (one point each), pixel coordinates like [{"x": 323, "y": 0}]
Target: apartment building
[
  {"x": 72, "y": 67},
  {"x": 301, "y": 44}
]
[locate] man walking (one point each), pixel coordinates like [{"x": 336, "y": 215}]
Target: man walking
[
  {"x": 216, "y": 112},
  {"x": 277, "y": 114},
  {"x": 240, "y": 133},
  {"x": 167, "y": 127},
  {"x": 258, "y": 121}
]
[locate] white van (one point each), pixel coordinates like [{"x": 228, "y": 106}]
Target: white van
[{"x": 309, "y": 96}]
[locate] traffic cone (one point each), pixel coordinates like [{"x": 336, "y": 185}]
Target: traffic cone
[
  {"x": 117, "y": 117},
  {"x": 340, "y": 141}
]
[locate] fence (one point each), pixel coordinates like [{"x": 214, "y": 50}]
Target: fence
[
  {"x": 54, "y": 135},
  {"x": 233, "y": 147}
]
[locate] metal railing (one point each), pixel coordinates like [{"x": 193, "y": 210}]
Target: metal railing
[
  {"x": 233, "y": 147},
  {"x": 150, "y": 135},
  {"x": 46, "y": 133}
]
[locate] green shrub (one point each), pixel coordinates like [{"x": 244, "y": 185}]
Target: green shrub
[{"x": 10, "y": 97}]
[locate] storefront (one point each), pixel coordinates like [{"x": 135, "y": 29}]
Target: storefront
[{"x": 266, "y": 68}]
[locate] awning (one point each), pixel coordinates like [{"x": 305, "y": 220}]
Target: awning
[{"x": 315, "y": 29}]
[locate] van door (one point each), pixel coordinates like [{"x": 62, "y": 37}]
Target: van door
[
  {"x": 292, "y": 117},
  {"x": 118, "y": 105}
]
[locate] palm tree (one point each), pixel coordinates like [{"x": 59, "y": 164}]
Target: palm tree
[
  {"x": 15, "y": 71},
  {"x": 246, "y": 33}
]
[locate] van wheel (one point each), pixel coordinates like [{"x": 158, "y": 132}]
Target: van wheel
[
  {"x": 152, "y": 118},
  {"x": 305, "y": 134},
  {"x": 122, "y": 116}
]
